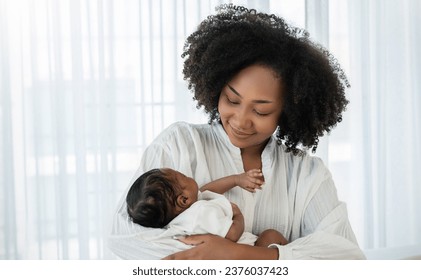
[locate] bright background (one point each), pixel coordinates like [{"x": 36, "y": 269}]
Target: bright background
[{"x": 85, "y": 86}]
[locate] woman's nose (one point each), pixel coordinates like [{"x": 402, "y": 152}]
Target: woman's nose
[{"x": 242, "y": 119}]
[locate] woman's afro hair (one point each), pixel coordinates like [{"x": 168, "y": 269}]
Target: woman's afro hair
[{"x": 237, "y": 37}]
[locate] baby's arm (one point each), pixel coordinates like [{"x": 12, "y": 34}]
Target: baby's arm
[
  {"x": 250, "y": 180},
  {"x": 270, "y": 236},
  {"x": 237, "y": 227}
]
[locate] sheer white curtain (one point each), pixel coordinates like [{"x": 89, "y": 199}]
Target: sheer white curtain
[
  {"x": 377, "y": 149},
  {"x": 86, "y": 85}
]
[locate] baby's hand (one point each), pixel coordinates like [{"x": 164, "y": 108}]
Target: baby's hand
[{"x": 250, "y": 180}]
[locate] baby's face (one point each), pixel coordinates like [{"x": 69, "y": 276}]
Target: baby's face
[{"x": 189, "y": 185}]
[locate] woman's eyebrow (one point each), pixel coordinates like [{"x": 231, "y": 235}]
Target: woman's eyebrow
[
  {"x": 254, "y": 101},
  {"x": 234, "y": 91}
]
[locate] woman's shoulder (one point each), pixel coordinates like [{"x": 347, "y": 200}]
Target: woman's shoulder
[
  {"x": 305, "y": 173},
  {"x": 182, "y": 131},
  {"x": 304, "y": 163},
  {"x": 182, "y": 126}
]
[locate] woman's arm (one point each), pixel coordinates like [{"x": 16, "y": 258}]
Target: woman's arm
[
  {"x": 324, "y": 231},
  {"x": 212, "y": 247}
]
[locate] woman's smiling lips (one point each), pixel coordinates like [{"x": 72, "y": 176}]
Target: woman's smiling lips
[{"x": 240, "y": 134}]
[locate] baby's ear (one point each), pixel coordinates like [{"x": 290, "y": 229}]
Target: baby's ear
[{"x": 182, "y": 201}]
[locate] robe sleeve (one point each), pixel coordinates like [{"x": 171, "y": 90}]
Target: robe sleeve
[{"x": 325, "y": 230}]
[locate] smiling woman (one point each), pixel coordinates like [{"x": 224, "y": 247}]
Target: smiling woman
[
  {"x": 86, "y": 86},
  {"x": 249, "y": 109},
  {"x": 275, "y": 80}
]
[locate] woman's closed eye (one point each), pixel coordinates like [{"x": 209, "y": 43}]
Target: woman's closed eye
[
  {"x": 231, "y": 101},
  {"x": 261, "y": 113},
  {"x": 236, "y": 102}
]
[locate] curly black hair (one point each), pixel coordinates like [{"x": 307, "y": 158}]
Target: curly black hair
[{"x": 237, "y": 37}]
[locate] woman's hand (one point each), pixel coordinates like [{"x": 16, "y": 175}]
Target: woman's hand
[
  {"x": 212, "y": 247},
  {"x": 207, "y": 247},
  {"x": 250, "y": 180}
]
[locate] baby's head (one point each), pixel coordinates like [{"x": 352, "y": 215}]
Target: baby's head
[{"x": 159, "y": 195}]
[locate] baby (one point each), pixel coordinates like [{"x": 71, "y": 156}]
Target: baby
[{"x": 166, "y": 198}]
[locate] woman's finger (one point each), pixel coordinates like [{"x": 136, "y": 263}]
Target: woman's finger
[{"x": 193, "y": 240}]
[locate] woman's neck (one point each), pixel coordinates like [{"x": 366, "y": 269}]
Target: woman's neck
[
  {"x": 255, "y": 150},
  {"x": 252, "y": 156}
]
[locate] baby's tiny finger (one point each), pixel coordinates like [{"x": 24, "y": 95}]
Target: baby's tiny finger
[
  {"x": 254, "y": 172},
  {"x": 256, "y": 181}
]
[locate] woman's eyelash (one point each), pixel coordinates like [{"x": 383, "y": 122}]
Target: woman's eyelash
[
  {"x": 260, "y": 114},
  {"x": 230, "y": 101}
]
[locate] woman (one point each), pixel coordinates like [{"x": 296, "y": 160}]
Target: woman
[{"x": 270, "y": 94}]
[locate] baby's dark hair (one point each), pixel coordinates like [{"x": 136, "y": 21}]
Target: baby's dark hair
[
  {"x": 236, "y": 38},
  {"x": 151, "y": 199}
]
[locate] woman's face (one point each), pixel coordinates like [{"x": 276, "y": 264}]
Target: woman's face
[{"x": 250, "y": 106}]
